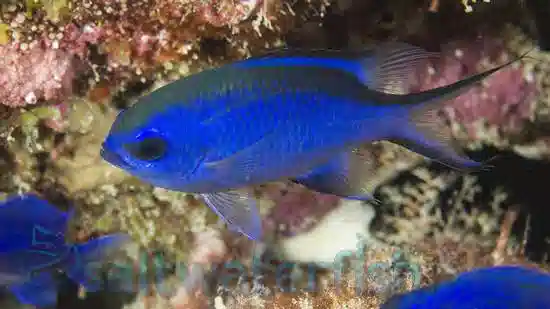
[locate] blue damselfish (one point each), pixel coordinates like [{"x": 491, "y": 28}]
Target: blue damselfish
[
  {"x": 33, "y": 249},
  {"x": 499, "y": 287},
  {"x": 288, "y": 114}
]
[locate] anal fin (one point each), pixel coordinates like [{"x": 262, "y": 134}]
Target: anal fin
[
  {"x": 345, "y": 176},
  {"x": 238, "y": 210}
]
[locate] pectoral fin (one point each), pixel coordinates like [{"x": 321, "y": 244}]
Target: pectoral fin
[
  {"x": 256, "y": 164},
  {"x": 243, "y": 163},
  {"x": 346, "y": 176},
  {"x": 238, "y": 210}
]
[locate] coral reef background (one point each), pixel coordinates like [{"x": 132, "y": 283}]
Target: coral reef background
[{"x": 67, "y": 67}]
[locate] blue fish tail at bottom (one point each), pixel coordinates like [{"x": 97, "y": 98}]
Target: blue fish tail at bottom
[
  {"x": 84, "y": 265},
  {"x": 40, "y": 290}
]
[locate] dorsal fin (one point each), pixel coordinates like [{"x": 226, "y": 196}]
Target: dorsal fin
[{"x": 387, "y": 67}]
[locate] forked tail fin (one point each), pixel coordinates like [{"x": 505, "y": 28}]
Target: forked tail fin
[{"x": 426, "y": 133}]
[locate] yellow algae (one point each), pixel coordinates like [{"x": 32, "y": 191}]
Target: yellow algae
[
  {"x": 4, "y": 35},
  {"x": 32, "y": 5},
  {"x": 55, "y": 9}
]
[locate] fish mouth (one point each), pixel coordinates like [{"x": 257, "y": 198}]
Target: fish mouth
[{"x": 113, "y": 158}]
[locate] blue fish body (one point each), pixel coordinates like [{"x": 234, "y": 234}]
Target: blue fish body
[
  {"x": 502, "y": 287},
  {"x": 276, "y": 127},
  {"x": 292, "y": 114},
  {"x": 33, "y": 248}
]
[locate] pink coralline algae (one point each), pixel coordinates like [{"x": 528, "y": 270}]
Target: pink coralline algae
[
  {"x": 503, "y": 100},
  {"x": 227, "y": 12},
  {"x": 297, "y": 209},
  {"x": 75, "y": 39},
  {"x": 209, "y": 249},
  {"x": 27, "y": 77},
  {"x": 45, "y": 68}
]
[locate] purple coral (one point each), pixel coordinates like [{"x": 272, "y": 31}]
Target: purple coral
[{"x": 503, "y": 100}]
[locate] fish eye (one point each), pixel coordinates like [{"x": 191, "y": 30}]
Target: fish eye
[{"x": 148, "y": 148}]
